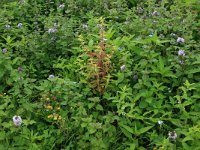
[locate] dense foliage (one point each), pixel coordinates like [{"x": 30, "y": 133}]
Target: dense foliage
[{"x": 99, "y": 74}]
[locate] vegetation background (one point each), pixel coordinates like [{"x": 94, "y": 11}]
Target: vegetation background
[{"x": 99, "y": 74}]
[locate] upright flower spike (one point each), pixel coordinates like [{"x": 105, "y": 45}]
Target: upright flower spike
[{"x": 17, "y": 120}]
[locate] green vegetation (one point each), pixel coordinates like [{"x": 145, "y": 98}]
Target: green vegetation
[{"x": 99, "y": 75}]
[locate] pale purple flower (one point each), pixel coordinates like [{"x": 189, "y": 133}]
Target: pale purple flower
[
  {"x": 155, "y": 13},
  {"x": 160, "y": 122},
  {"x": 181, "y": 52},
  {"x": 51, "y": 76},
  {"x": 7, "y": 26},
  {"x": 17, "y": 120},
  {"x": 52, "y": 30},
  {"x": 61, "y": 6},
  {"x": 180, "y": 40},
  {"x": 4, "y": 50},
  {"x": 19, "y": 25},
  {"x": 173, "y": 34},
  {"x": 172, "y": 135},
  {"x": 123, "y": 67},
  {"x": 85, "y": 26},
  {"x": 150, "y": 35},
  {"x": 154, "y": 21},
  {"x": 181, "y": 62}
]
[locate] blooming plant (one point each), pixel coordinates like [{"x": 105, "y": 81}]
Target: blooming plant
[
  {"x": 17, "y": 120},
  {"x": 100, "y": 75}
]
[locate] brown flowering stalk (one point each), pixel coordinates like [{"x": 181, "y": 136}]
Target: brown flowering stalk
[{"x": 98, "y": 64}]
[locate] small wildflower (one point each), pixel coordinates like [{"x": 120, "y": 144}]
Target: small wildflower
[
  {"x": 58, "y": 108},
  {"x": 160, "y": 122},
  {"x": 61, "y": 6},
  {"x": 181, "y": 62},
  {"x": 19, "y": 25},
  {"x": 172, "y": 135},
  {"x": 7, "y": 26},
  {"x": 50, "y": 116},
  {"x": 51, "y": 76},
  {"x": 56, "y": 116},
  {"x": 151, "y": 34},
  {"x": 155, "y": 13},
  {"x": 59, "y": 118},
  {"x": 49, "y": 107},
  {"x": 52, "y": 30},
  {"x": 154, "y": 21},
  {"x": 180, "y": 40},
  {"x": 173, "y": 34},
  {"x": 181, "y": 52},
  {"x": 85, "y": 26},
  {"x": 123, "y": 67},
  {"x": 17, "y": 120},
  {"x": 4, "y": 50}
]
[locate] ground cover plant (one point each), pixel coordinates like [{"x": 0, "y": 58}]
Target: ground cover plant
[{"x": 95, "y": 74}]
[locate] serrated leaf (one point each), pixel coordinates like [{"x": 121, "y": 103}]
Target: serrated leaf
[
  {"x": 127, "y": 128},
  {"x": 126, "y": 133}
]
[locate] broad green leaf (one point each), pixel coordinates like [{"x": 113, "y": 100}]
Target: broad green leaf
[{"x": 143, "y": 130}]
